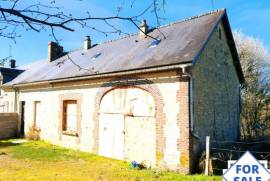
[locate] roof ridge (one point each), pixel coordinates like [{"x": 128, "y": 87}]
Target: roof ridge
[
  {"x": 163, "y": 26},
  {"x": 193, "y": 17},
  {"x": 119, "y": 38},
  {"x": 166, "y": 25}
]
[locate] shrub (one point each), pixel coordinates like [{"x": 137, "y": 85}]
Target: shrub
[{"x": 33, "y": 133}]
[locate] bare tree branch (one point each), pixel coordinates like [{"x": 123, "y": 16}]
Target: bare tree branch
[{"x": 39, "y": 17}]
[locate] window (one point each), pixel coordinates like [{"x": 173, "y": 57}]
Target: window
[
  {"x": 37, "y": 114},
  {"x": 155, "y": 43},
  {"x": 70, "y": 112},
  {"x": 96, "y": 56},
  {"x": 70, "y": 117},
  {"x": 6, "y": 106},
  {"x": 219, "y": 33}
]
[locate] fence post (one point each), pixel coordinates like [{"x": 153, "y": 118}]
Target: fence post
[{"x": 207, "y": 156}]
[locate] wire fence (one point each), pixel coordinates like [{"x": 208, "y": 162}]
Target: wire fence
[{"x": 222, "y": 151}]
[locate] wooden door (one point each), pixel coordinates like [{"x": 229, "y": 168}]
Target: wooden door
[
  {"x": 22, "y": 114},
  {"x": 111, "y": 135},
  {"x": 127, "y": 125},
  {"x": 140, "y": 140}
]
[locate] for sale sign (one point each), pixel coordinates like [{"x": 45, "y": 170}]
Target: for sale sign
[{"x": 247, "y": 168}]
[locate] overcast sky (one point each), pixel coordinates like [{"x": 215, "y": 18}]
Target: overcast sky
[{"x": 252, "y": 17}]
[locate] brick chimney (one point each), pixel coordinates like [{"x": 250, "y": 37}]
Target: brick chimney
[
  {"x": 54, "y": 51},
  {"x": 144, "y": 28},
  {"x": 12, "y": 63},
  {"x": 87, "y": 43}
]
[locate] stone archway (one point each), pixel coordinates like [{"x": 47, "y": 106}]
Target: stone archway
[{"x": 160, "y": 117}]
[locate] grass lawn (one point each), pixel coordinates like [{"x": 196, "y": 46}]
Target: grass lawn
[{"x": 37, "y": 160}]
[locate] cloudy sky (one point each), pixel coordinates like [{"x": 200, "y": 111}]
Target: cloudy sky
[{"x": 252, "y": 17}]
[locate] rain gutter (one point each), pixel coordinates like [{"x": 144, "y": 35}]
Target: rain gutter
[
  {"x": 105, "y": 75},
  {"x": 191, "y": 110}
]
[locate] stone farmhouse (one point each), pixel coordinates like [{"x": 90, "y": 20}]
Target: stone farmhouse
[{"x": 149, "y": 99}]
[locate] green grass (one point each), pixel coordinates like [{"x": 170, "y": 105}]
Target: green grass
[
  {"x": 42, "y": 151},
  {"x": 38, "y": 160}
]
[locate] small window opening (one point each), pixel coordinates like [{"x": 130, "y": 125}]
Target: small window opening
[
  {"x": 155, "y": 43},
  {"x": 69, "y": 123},
  {"x": 37, "y": 114},
  {"x": 219, "y": 34},
  {"x": 96, "y": 55}
]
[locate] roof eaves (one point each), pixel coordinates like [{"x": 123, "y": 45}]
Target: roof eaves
[{"x": 104, "y": 75}]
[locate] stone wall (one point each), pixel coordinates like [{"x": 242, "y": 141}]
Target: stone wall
[
  {"x": 216, "y": 92},
  {"x": 8, "y": 125},
  {"x": 163, "y": 86}
]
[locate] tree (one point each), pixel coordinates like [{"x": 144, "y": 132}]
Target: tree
[
  {"x": 254, "y": 57},
  {"x": 41, "y": 16}
]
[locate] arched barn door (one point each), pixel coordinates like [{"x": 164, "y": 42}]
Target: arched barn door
[{"x": 127, "y": 125}]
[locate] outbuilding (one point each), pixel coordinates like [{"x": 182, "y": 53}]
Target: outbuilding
[{"x": 150, "y": 97}]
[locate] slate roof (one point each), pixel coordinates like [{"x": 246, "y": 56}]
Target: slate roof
[
  {"x": 184, "y": 42},
  {"x": 9, "y": 73}
]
